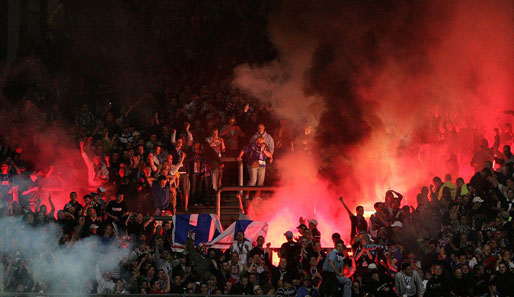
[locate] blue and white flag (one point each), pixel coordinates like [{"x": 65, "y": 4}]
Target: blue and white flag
[
  {"x": 205, "y": 226},
  {"x": 251, "y": 230}
]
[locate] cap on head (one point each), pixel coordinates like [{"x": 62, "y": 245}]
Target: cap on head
[
  {"x": 289, "y": 234},
  {"x": 397, "y": 224},
  {"x": 477, "y": 199}
]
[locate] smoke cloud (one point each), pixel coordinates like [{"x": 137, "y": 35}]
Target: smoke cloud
[
  {"x": 399, "y": 91},
  {"x": 61, "y": 268},
  {"x": 49, "y": 150}
]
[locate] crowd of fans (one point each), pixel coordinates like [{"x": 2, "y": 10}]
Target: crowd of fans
[{"x": 456, "y": 242}]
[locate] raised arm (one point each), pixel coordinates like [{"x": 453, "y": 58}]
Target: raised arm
[
  {"x": 85, "y": 157},
  {"x": 52, "y": 206},
  {"x": 346, "y": 207},
  {"x": 151, "y": 162},
  {"x": 190, "y": 139},
  {"x": 50, "y": 171}
]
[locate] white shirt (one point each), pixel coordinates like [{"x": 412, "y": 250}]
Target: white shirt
[{"x": 243, "y": 250}]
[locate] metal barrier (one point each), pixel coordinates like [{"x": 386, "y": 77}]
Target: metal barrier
[
  {"x": 239, "y": 196},
  {"x": 241, "y": 167}
]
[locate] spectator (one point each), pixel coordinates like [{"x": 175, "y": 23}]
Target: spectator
[
  {"x": 105, "y": 283},
  {"x": 378, "y": 284},
  {"x": 257, "y": 154},
  {"x": 179, "y": 156},
  {"x": 504, "y": 279},
  {"x": 438, "y": 285},
  {"x": 115, "y": 209},
  {"x": 218, "y": 145},
  {"x": 408, "y": 282},
  {"x": 98, "y": 174},
  {"x": 333, "y": 276},
  {"x": 85, "y": 118},
  {"x": 232, "y": 134},
  {"x": 485, "y": 153},
  {"x": 261, "y": 132},
  {"x": 199, "y": 174},
  {"x": 161, "y": 194},
  {"x": 358, "y": 221},
  {"x": 199, "y": 258},
  {"x": 288, "y": 290},
  {"x": 241, "y": 246}
]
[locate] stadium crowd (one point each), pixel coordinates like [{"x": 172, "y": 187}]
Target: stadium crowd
[
  {"x": 149, "y": 156},
  {"x": 456, "y": 242}
]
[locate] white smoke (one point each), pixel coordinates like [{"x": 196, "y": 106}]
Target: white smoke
[{"x": 66, "y": 268}]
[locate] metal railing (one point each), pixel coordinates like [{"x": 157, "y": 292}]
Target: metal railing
[
  {"x": 241, "y": 167},
  {"x": 239, "y": 196},
  {"x": 239, "y": 189}
]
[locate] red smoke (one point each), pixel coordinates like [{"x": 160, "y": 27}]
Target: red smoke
[
  {"x": 408, "y": 91},
  {"x": 69, "y": 174},
  {"x": 54, "y": 147},
  {"x": 45, "y": 146},
  {"x": 302, "y": 194}
]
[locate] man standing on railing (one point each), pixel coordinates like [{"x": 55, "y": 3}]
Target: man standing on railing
[
  {"x": 270, "y": 142},
  {"x": 261, "y": 132},
  {"x": 257, "y": 155}
]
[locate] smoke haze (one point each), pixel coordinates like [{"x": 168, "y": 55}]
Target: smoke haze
[
  {"x": 398, "y": 91},
  {"x": 63, "y": 268}
]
